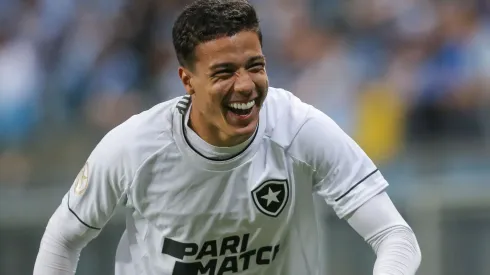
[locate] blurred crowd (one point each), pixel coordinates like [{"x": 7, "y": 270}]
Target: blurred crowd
[{"x": 394, "y": 74}]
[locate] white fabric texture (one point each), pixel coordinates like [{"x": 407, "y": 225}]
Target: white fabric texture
[
  {"x": 259, "y": 203},
  {"x": 395, "y": 244},
  {"x": 62, "y": 242}
]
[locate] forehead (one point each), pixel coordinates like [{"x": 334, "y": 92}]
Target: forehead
[{"x": 237, "y": 48}]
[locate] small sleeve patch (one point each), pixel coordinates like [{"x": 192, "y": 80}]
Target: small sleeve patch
[{"x": 81, "y": 182}]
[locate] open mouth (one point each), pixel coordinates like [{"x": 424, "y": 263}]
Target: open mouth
[{"x": 241, "y": 109}]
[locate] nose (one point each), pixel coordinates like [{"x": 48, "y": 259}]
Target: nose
[{"x": 243, "y": 83}]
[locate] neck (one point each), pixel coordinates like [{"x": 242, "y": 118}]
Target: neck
[{"x": 210, "y": 133}]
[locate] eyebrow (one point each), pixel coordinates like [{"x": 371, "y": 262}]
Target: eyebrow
[
  {"x": 255, "y": 58},
  {"x": 228, "y": 65}
]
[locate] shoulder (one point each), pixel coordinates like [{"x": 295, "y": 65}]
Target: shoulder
[
  {"x": 137, "y": 138},
  {"x": 288, "y": 117},
  {"x": 285, "y": 115},
  {"x": 291, "y": 120},
  {"x": 304, "y": 132}
]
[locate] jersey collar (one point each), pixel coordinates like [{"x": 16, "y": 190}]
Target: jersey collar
[{"x": 194, "y": 156}]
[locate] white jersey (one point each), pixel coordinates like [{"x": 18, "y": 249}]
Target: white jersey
[{"x": 249, "y": 214}]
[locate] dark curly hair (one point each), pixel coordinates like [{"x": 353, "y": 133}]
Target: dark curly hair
[{"x": 206, "y": 20}]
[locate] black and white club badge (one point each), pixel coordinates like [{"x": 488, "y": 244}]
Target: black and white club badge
[{"x": 271, "y": 197}]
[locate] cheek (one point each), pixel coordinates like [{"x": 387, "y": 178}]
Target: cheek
[
  {"x": 261, "y": 80},
  {"x": 220, "y": 90},
  {"x": 210, "y": 102},
  {"x": 223, "y": 86}
]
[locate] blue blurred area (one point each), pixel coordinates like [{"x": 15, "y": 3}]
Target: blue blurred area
[{"x": 408, "y": 79}]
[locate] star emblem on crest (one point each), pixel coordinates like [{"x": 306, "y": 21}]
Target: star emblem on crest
[{"x": 271, "y": 197}]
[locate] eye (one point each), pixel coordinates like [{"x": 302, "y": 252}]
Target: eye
[
  {"x": 256, "y": 67},
  {"x": 223, "y": 74}
]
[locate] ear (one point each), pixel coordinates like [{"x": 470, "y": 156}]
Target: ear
[{"x": 186, "y": 77}]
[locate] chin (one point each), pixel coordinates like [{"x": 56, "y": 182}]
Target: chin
[
  {"x": 247, "y": 130},
  {"x": 242, "y": 125}
]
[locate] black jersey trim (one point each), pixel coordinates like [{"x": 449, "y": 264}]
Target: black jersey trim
[
  {"x": 184, "y": 104},
  {"x": 208, "y": 158},
  {"x": 78, "y": 218},
  {"x": 355, "y": 185}
]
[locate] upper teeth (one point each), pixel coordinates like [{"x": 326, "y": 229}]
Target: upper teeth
[{"x": 242, "y": 106}]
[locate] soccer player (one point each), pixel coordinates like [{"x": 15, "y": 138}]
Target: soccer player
[{"x": 220, "y": 181}]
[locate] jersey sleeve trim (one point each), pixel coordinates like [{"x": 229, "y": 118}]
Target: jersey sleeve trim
[
  {"x": 355, "y": 185},
  {"x": 78, "y": 218}
]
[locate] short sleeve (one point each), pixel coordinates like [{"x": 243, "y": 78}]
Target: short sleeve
[
  {"x": 100, "y": 185},
  {"x": 342, "y": 172}
]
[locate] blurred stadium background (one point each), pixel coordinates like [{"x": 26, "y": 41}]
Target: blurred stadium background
[{"x": 408, "y": 79}]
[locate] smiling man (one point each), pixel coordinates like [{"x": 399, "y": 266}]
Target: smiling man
[
  {"x": 226, "y": 79},
  {"x": 220, "y": 181}
]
